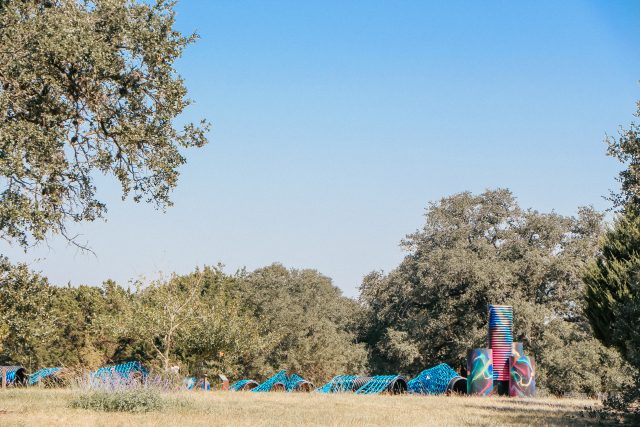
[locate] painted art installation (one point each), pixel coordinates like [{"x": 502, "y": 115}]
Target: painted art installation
[
  {"x": 523, "y": 377},
  {"x": 480, "y": 372}
]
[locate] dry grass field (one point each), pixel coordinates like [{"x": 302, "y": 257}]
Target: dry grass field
[{"x": 42, "y": 407}]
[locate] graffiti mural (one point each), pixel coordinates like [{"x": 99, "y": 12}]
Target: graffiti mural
[{"x": 480, "y": 372}]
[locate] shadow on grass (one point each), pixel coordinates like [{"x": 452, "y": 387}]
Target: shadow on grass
[{"x": 558, "y": 415}]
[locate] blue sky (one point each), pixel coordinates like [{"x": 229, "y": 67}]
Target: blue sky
[{"x": 335, "y": 123}]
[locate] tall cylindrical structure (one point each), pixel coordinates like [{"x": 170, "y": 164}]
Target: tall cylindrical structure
[
  {"x": 501, "y": 340},
  {"x": 480, "y": 372},
  {"x": 523, "y": 377}
]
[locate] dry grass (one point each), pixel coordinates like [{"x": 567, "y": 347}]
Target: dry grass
[{"x": 42, "y": 407}]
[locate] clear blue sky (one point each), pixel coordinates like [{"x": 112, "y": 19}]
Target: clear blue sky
[{"x": 335, "y": 123}]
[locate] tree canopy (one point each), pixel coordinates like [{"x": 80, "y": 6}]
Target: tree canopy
[
  {"x": 307, "y": 325},
  {"x": 613, "y": 288},
  {"x": 476, "y": 250},
  {"x": 87, "y": 87},
  {"x": 249, "y": 324},
  {"x": 613, "y": 277},
  {"x": 626, "y": 149}
]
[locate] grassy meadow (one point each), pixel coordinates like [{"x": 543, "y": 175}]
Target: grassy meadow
[{"x": 49, "y": 407}]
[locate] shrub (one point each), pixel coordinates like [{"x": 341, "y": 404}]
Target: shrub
[{"x": 139, "y": 400}]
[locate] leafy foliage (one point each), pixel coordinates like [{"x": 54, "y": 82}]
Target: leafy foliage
[
  {"x": 166, "y": 310},
  {"x": 613, "y": 295},
  {"x": 626, "y": 149},
  {"x": 613, "y": 281},
  {"x": 308, "y": 326},
  {"x": 44, "y": 325},
  {"x": 87, "y": 87},
  {"x": 613, "y": 288},
  {"x": 206, "y": 322},
  {"x": 26, "y": 325}
]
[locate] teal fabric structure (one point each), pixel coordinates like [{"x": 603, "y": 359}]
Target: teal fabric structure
[
  {"x": 15, "y": 375},
  {"x": 190, "y": 382},
  {"x": 339, "y": 384},
  {"x": 297, "y": 383},
  {"x": 243, "y": 385},
  {"x": 41, "y": 374},
  {"x": 122, "y": 375},
  {"x": 278, "y": 382},
  {"x": 365, "y": 385},
  {"x": 434, "y": 380},
  {"x": 383, "y": 383},
  {"x": 268, "y": 385}
]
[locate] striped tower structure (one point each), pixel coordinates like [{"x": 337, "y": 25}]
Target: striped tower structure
[{"x": 501, "y": 342}]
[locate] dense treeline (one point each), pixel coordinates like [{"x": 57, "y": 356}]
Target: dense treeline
[
  {"x": 243, "y": 324},
  {"x": 472, "y": 250},
  {"x": 612, "y": 277}
]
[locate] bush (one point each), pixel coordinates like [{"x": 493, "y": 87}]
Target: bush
[
  {"x": 570, "y": 361},
  {"x": 120, "y": 401}
]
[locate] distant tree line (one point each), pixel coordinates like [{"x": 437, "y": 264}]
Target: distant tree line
[{"x": 207, "y": 322}]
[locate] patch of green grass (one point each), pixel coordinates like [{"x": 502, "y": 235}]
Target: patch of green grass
[{"x": 120, "y": 401}]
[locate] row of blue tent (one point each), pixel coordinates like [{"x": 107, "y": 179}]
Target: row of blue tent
[
  {"x": 122, "y": 373},
  {"x": 436, "y": 380},
  {"x": 279, "y": 382}
]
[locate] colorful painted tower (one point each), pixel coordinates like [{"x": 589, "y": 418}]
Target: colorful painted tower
[{"x": 501, "y": 342}]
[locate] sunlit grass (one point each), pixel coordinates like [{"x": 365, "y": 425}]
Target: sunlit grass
[{"x": 42, "y": 407}]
